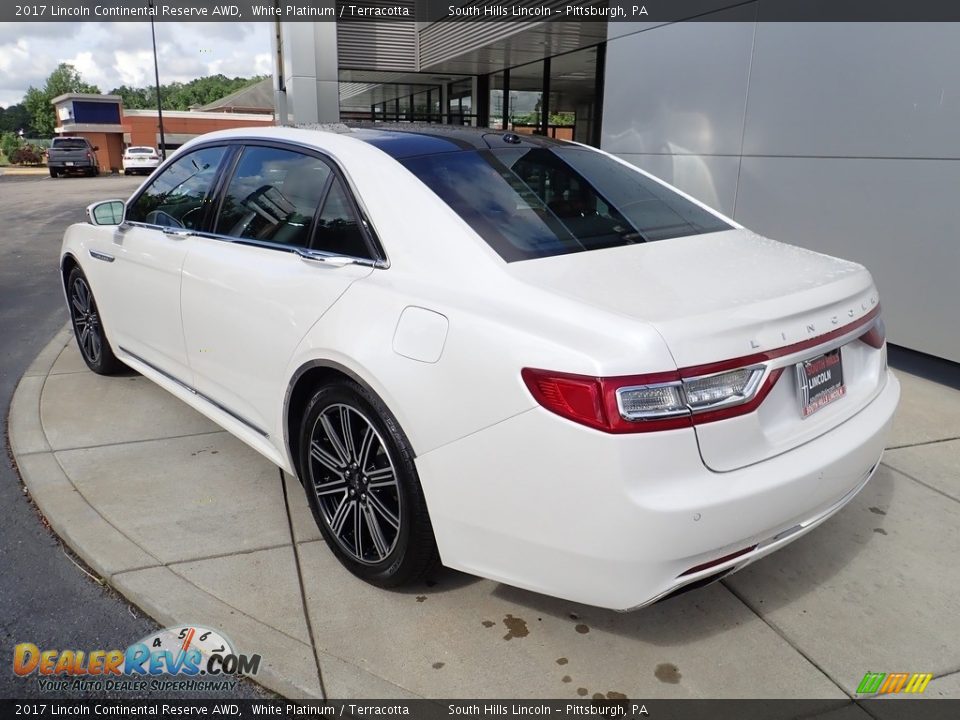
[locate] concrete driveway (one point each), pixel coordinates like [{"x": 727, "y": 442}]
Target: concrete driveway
[{"x": 191, "y": 525}]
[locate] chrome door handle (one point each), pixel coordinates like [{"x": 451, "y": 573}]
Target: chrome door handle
[
  {"x": 329, "y": 260},
  {"x": 176, "y": 233}
]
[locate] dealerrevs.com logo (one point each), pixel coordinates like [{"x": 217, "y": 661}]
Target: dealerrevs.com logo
[{"x": 176, "y": 658}]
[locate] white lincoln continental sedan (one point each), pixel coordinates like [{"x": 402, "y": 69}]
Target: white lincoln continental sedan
[{"x": 520, "y": 357}]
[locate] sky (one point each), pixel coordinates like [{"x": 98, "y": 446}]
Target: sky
[{"x": 112, "y": 54}]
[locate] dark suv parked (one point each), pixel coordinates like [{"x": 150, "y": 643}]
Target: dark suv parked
[{"x": 72, "y": 154}]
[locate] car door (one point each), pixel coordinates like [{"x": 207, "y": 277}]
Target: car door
[
  {"x": 149, "y": 249},
  {"x": 275, "y": 261}
]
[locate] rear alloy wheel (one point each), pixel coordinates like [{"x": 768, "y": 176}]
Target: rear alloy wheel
[
  {"x": 362, "y": 485},
  {"x": 87, "y": 326}
]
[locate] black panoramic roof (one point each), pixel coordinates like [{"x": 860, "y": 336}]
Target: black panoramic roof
[{"x": 406, "y": 140}]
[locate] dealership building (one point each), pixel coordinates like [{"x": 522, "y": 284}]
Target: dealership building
[{"x": 840, "y": 137}]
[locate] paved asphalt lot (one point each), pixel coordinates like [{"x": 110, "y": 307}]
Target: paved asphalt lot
[
  {"x": 874, "y": 589},
  {"x": 45, "y": 598}
]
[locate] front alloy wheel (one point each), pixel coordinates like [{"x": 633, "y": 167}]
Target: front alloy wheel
[
  {"x": 363, "y": 488},
  {"x": 88, "y": 327}
]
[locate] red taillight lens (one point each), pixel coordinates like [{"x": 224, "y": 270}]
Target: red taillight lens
[
  {"x": 575, "y": 397},
  {"x": 592, "y": 401},
  {"x": 647, "y": 403},
  {"x": 876, "y": 335},
  {"x": 682, "y": 398}
]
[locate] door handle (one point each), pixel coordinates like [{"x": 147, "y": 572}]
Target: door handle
[
  {"x": 328, "y": 260},
  {"x": 176, "y": 233}
]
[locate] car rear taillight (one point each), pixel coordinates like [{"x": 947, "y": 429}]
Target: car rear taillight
[
  {"x": 90, "y": 156},
  {"x": 645, "y": 403},
  {"x": 876, "y": 335},
  {"x": 682, "y": 398}
]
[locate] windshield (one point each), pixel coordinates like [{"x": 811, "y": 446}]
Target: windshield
[{"x": 537, "y": 202}]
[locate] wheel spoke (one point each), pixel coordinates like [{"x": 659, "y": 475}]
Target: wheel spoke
[
  {"x": 334, "y": 440},
  {"x": 330, "y": 488},
  {"x": 340, "y": 516},
  {"x": 347, "y": 432},
  {"x": 326, "y": 459},
  {"x": 368, "y": 437},
  {"x": 377, "y": 505},
  {"x": 77, "y": 304},
  {"x": 95, "y": 345},
  {"x": 382, "y": 477},
  {"x": 376, "y": 533},
  {"x": 357, "y": 536}
]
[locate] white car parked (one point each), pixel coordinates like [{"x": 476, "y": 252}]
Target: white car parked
[
  {"x": 520, "y": 356},
  {"x": 140, "y": 159}
]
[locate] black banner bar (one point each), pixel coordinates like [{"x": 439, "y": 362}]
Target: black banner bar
[
  {"x": 653, "y": 11},
  {"x": 887, "y": 709}
]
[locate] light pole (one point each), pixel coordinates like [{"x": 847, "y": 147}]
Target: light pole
[{"x": 156, "y": 75}]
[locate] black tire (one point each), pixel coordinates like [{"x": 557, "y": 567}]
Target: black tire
[
  {"x": 93, "y": 172},
  {"x": 54, "y": 173},
  {"x": 126, "y": 172},
  {"x": 87, "y": 326},
  {"x": 366, "y": 542}
]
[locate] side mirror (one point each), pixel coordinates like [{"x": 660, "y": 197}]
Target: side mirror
[
  {"x": 96, "y": 147},
  {"x": 108, "y": 212}
]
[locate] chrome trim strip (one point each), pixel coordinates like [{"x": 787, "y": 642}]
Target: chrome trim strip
[
  {"x": 101, "y": 256},
  {"x": 194, "y": 391},
  {"x": 826, "y": 347},
  {"x": 303, "y": 253}
]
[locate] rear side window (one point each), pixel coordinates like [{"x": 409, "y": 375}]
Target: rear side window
[
  {"x": 177, "y": 196},
  {"x": 338, "y": 231},
  {"x": 537, "y": 202},
  {"x": 273, "y": 196}
]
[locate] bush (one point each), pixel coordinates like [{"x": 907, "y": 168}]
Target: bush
[
  {"x": 27, "y": 155},
  {"x": 9, "y": 143}
]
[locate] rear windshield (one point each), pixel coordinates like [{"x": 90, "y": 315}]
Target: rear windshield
[
  {"x": 69, "y": 143},
  {"x": 139, "y": 151},
  {"x": 538, "y": 202}
]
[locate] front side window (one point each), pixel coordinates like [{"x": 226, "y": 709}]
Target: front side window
[
  {"x": 538, "y": 202},
  {"x": 177, "y": 196},
  {"x": 273, "y": 196}
]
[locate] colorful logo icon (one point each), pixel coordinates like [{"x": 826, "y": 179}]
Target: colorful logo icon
[{"x": 886, "y": 683}]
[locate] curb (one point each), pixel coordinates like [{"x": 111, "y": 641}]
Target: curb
[{"x": 130, "y": 570}]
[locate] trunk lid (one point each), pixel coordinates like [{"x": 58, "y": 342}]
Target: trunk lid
[{"x": 726, "y": 295}]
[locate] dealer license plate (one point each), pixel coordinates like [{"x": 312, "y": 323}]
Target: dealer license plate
[{"x": 820, "y": 381}]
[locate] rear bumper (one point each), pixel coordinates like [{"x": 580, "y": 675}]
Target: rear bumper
[
  {"x": 150, "y": 165},
  {"x": 619, "y": 521},
  {"x": 75, "y": 164}
]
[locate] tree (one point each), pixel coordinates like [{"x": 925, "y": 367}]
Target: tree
[
  {"x": 14, "y": 119},
  {"x": 181, "y": 96},
  {"x": 65, "y": 79}
]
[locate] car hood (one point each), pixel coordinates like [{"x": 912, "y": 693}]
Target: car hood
[{"x": 713, "y": 296}]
